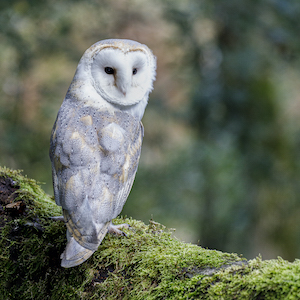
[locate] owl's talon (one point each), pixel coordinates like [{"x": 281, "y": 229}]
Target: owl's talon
[{"x": 115, "y": 229}]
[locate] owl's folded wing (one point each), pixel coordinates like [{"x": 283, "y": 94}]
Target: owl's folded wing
[{"x": 93, "y": 175}]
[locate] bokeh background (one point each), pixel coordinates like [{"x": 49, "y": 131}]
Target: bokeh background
[{"x": 221, "y": 154}]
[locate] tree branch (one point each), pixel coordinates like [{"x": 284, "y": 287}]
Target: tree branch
[{"x": 148, "y": 264}]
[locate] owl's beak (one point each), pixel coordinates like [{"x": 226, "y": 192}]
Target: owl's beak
[
  {"x": 123, "y": 82},
  {"x": 123, "y": 87},
  {"x": 124, "y": 92}
]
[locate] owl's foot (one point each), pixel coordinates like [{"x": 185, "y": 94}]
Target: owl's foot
[{"x": 115, "y": 229}]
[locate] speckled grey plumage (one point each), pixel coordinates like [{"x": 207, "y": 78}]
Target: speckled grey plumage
[{"x": 89, "y": 165}]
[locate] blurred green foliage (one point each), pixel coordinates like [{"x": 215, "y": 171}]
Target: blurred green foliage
[{"x": 220, "y": 159}]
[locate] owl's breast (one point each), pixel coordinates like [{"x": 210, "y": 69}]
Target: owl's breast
[{"x": 95, "y": 152}]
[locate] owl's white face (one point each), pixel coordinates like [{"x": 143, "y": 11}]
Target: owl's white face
[
  {"x": 115, "y": 74},
  {"x": 121, "y": 77}
]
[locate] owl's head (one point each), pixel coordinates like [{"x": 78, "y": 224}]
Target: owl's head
[{"x": 120, "y": 71}]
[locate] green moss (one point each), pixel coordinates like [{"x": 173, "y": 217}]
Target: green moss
[
  {"x": 40, "y": 203},
  {"x": 273, "y": 279},
  {"x": 148, "y": 264}
]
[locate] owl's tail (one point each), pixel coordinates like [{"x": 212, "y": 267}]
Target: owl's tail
[{"x": 74, "y": 254}]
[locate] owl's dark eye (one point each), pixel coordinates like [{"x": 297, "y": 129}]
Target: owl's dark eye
[
  {"x": 134, "y": 71},
  {"x": 109, "y": 70}
]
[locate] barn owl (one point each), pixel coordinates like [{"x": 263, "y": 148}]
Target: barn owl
[{"x": 96, "y": 141}]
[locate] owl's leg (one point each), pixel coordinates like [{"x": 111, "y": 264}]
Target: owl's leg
[{"x": 115, "y": 229}]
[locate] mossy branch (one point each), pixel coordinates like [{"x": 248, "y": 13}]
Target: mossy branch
[{"x": 149, "y": 264}]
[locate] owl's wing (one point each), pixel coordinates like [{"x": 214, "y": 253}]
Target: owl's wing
[
  {"x": 129, "y": 168},
  {"x": 95, "y": 159}
]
